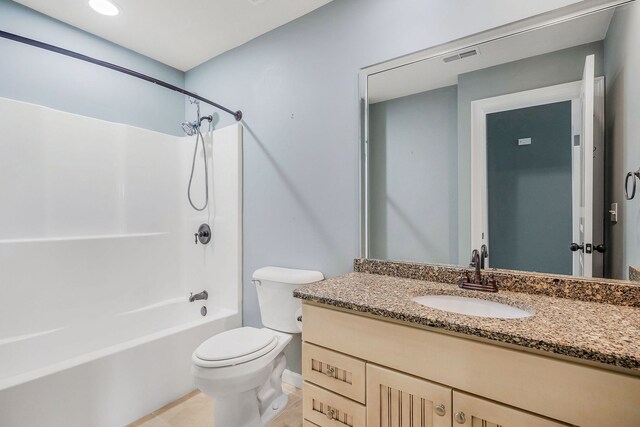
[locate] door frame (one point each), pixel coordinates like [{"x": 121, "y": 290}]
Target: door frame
[{"x": 530, "y": 98}]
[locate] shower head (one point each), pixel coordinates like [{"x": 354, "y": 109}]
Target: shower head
[{"x": 190, "y": 128}]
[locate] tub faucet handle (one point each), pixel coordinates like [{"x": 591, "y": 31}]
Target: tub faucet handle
[{"x": 203, "y": 235}]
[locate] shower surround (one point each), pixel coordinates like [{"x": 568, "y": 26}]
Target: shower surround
[{"x": 97, "y": 260}]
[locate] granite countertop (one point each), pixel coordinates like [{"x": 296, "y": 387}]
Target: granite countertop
[{"x": 596, "y": 332}]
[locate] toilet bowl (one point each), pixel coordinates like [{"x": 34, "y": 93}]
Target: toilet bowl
[{"x": 242, "y": 368}]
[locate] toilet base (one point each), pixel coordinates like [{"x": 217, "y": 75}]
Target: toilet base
[
  {"x": 276, "y": 407},
  {"x": 241, "y": 410}
]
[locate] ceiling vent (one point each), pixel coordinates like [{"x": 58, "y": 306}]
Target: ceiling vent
[{"x": 462, "y": 55}]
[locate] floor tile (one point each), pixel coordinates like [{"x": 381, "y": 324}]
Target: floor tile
[
  {"x": 291, "y": 416},
  {"x": 196, "y": 410}
]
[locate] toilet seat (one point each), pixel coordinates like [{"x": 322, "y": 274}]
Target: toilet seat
[{"x": 234, "y": 347}]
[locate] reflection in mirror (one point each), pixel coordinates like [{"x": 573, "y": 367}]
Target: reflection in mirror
[{"x": 508, "y": 145}]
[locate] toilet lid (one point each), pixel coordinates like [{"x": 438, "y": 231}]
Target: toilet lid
[{"x": 236, "y": 343}]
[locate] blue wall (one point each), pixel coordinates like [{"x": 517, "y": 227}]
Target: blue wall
[
  {"x": 41, "y": 77},
  {"x": 298, "y": 88}
]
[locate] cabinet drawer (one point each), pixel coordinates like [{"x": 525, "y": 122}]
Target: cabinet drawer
[
  {"x": 337, "y": 372},
  {"x": 472, "y": 411},
  {"x": 327, "y": 409}
]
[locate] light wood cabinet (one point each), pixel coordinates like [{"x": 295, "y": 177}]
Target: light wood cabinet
[
  {"x": 398, "y": 400},
  {"x": 409, "y": 368},
  {"x": 471, "y": 411}
]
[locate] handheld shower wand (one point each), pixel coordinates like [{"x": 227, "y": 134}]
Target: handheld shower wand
[{"x": 193, "y": 128}]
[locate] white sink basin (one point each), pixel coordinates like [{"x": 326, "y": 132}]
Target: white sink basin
[{"x": 472, "y": 306}]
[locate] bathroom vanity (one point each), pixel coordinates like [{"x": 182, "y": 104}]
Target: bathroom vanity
[{"x": 372, "y": 356}]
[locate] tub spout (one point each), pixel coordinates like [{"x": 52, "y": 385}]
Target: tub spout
[{"x": 202, "y": 295}]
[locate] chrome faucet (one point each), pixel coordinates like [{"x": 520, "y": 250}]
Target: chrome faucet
[{"x": 202, "y": 295}]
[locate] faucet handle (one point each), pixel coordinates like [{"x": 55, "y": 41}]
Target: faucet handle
[
  {"x": 484, "y": 254},
  {"x": 492, "y": 283},
  {"x": 475, "y": 258},
  {"x": 203, "y": 234},
  {"x": 464, "y": 278}
]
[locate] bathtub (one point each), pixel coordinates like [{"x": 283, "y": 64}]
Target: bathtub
[
  {"x": 97, "y": 260},
  {"x": 108, "y": 372}
]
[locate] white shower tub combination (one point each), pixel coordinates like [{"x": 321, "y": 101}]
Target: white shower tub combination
[{"x": 97, "y": 260}]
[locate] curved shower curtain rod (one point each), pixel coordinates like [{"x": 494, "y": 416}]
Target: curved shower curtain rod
[{"x": 76, "y": 55}]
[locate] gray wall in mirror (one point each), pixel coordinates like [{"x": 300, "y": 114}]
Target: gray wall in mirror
[
  {"x": 536, "y": 72},
  {"x": 530, "y": 222},
  {"x": 413, "y": 179},
  {"x": 622, "y": 72},
  {"x": 393, "y": 125}
]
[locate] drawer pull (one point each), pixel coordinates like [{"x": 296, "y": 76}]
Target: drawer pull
[
  {"x": 330, "y": 413},
  {"x": 440, "y": 410},
  {"x": 460, "y": 418},
  {"x": 330, "y": 371}
]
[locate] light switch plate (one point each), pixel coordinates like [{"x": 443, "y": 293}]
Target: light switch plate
[{"x": 524, "y": 141}]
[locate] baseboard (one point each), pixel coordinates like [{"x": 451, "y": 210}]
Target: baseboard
[{"x": 292, "y": 378}]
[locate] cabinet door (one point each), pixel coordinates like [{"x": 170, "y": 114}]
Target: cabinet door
[
  {"x": 400, "y": 400},
  {"x": 471, "y": 411}
]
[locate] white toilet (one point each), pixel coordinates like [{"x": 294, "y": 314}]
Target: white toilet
[{"x": 242, "y": 368}]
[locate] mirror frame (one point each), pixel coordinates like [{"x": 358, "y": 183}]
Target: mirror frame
[{"x": 553, "y": 17}]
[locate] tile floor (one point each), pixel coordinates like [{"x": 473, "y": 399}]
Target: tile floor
[{"x": 196, "y": 410}]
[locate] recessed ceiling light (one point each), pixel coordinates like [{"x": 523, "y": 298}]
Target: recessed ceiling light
[{"x": 104, "y": 7}]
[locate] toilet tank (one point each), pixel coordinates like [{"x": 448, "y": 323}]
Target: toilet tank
[{"x": 275, "y": 286}]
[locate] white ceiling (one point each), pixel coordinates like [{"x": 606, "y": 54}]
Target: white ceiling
[
  {"x": 179, "y": 33},
  {"x": 435, "y": 73}
]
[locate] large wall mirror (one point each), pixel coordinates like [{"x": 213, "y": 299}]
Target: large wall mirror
[{"x": 516, "y": 142}]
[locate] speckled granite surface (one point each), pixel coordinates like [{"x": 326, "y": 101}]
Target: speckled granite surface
[
  {"x": 609, "y": 291},
  {"x": 596, "y": 332}
]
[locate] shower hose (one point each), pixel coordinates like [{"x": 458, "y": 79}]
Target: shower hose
[{"x": 199, "y": 137}]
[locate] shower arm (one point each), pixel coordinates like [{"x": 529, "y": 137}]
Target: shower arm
[
  {"x": 35, "y": 43},
  {"x": 208, "y": 118}
]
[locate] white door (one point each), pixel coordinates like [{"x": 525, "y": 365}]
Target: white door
[{"x": 583, "y": 249}]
